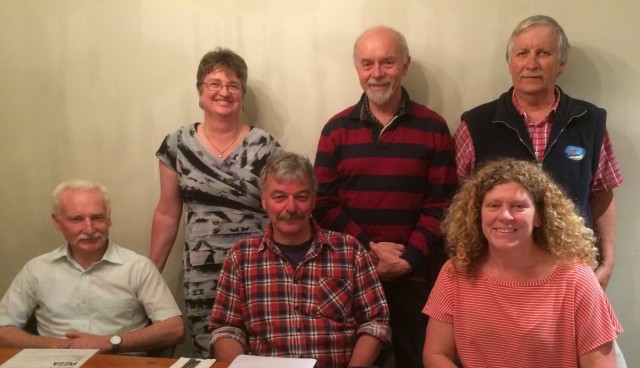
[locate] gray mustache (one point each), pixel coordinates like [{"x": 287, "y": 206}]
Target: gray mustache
[{"x": 291, "y": 216}]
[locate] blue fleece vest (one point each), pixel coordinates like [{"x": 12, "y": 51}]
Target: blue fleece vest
[{"x": 573, "y": 150}]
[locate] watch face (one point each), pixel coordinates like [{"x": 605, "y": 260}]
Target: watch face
[{"x": 115, "y": 340}]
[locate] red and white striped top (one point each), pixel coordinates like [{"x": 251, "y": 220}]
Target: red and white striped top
[{"x": 546, "y": 323}]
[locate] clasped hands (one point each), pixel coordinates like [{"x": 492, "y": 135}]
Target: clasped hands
[{"x": 386, "y": 257}]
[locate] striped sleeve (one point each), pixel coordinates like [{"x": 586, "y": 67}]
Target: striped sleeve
[{"x": 595, "y": 321}]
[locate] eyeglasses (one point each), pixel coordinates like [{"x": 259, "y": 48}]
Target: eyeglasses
[{"x": 216, "y": 86}]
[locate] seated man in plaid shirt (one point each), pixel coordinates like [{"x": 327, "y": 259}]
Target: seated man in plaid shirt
[{"x": 298, "y": 290}]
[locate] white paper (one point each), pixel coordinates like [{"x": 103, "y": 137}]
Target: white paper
[
  {"x": 203, "y": 363},
  {"x": 49, "y": 358},
  {"x": 252, "y": 361}
]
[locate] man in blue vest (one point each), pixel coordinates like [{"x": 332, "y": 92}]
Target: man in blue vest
[{"x": 536, "y": 120}]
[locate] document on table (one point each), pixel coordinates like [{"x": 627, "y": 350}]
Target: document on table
[
  {"x": 252, "y": 361},
  {"x": 193, "y": 363},
  {"x": 49, "y": 358}
]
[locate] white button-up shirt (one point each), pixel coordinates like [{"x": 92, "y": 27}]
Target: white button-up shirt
[{"x": 121, "y": 292}]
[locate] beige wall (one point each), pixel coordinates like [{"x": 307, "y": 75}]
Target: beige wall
[{"x": 88, "y": 88}]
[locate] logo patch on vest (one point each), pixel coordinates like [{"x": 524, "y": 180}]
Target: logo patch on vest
[{"x": 574, "y": 153}]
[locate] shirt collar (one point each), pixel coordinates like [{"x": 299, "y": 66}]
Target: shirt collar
[
  {"x": 554, "y": 107},
  {"x": 365, "y": 112},
  {"x": 319, "y": 239},
  {"x": 111, "y": 255}
]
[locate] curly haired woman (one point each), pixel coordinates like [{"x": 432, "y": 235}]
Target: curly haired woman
[{"x": 519, "y": 289}]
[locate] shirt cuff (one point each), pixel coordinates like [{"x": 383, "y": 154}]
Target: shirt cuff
[
  {"x": 229, "y": 333},
  {"x": 378, "y": 330},
  {"x": 414, "y": 256}
]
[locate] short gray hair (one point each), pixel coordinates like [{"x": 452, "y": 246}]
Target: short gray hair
[
  {"x": 79, "y": 184},
  {"x": 542, "y": 20},
  {"x": 288, "y": 166},
  {"x": 404, "y": 48}
]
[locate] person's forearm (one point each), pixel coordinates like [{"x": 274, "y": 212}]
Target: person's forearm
[
  {"x": 164, "y": 230},
  {"x": 366, "y": 351},
  {"x": 157, "y": 335},
  {"x": 166, "y": 217},
  {"x": 11, "y": 336},
  {"x": 437, "y": 361},
  {"x": 439, "y": 347},
  {"x": 227, "y": 349},
  {"x": 604, "y": 223},
  {"x": 601, "y": 357}
]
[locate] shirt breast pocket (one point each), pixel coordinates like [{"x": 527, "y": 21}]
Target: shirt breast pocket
[
  {"x": 334, "y": 298},
  {"x": 118, "y": 310}
]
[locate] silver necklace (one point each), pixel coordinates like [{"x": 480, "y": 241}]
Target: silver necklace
[{"x": 216, "y": 147}]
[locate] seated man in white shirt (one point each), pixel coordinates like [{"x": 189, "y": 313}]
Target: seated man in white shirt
[{"x": 89, "y": 293}]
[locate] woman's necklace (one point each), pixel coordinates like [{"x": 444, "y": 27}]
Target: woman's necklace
[{"x": 222, "y": 151}]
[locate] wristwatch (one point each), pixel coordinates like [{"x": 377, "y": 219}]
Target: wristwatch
[{"x": 115, "y": 341}]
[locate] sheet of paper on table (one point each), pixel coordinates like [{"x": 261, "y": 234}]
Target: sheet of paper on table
[
  {"x": 49, "y": 358},
  {"x": 252, "y": 361},
  {"x": 193, "y": 363}
]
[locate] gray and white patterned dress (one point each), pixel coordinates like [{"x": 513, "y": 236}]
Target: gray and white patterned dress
[{"x": 222, "y": 200}]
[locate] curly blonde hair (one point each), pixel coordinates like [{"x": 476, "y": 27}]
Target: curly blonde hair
[{"x": 562, "y": 232}]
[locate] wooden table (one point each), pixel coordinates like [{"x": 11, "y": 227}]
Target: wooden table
[{"x": 111, "y": 361}]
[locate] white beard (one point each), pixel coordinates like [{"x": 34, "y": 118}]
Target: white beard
[{"x": 380, "y": 98}]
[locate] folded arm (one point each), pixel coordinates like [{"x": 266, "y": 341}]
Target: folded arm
[
  {"x": 371, "y": 312},
  {"x": 228, "y": 337},
  {"x": 157, "y": 335},
  {"x": 440, "y": 186},
  {"x": 15, "y": 337},
  {"x": 329, "y": 210}
]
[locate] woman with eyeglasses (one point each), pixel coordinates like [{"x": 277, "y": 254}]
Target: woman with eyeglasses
[{"x": 212, "y": 168}]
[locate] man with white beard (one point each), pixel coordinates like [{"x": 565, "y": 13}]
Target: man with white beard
[{"x": 386, "y": 171}]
